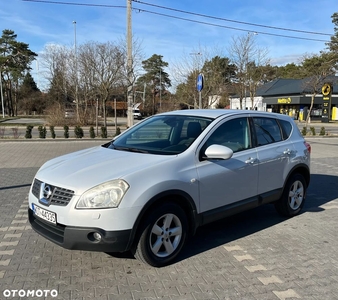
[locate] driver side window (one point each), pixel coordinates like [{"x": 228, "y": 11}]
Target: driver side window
[{"x": 233, "y": 134}]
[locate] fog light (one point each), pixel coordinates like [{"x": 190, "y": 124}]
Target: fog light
[{"x": 97, "y": 237}]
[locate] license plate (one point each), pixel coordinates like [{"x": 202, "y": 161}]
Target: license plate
[{"x": 44, "y": 214}]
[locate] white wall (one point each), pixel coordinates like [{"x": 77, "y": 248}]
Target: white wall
[{"x": 247, "y": 103}]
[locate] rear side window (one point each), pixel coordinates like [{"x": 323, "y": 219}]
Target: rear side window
[
  {"x": 286, "y": 128},
  {"x": 267, "y": 131}
]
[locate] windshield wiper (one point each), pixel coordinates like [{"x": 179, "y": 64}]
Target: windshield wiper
[{"x": 130, "y": 149}]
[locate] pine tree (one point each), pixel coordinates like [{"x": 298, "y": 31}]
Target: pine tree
[
  {"x": 333, "y": 44},
  {"x": 155, "y": 77},
  {"x": 15, "y": 59}
]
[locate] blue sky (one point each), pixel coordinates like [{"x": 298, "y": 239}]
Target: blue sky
[{"x": 38, "y": 24}]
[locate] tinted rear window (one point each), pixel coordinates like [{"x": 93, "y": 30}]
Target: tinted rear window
[
  {"x": 267, "y": 131},
  {"x": 286, "y": 128}
]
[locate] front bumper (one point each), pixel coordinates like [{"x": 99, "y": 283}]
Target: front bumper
[{"x": 81, "y": 238}]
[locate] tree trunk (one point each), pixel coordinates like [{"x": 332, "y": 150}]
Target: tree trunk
[
  {"x": 104, "y": 112},
  {"x": 309, "y": 113},
  {"x": 8, "y": 91},
  {"x": 153, "y": 103},
  {"x": 15, "y": 103}
]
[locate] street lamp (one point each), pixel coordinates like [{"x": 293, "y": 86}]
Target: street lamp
[
  {"x": 246, "y": 75},
  {"x": 76, "y": 83},
  {"x": 2, "y": 96}
]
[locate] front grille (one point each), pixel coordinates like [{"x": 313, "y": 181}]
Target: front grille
[
  {"x": 60, "y": 196},
  {"x": 36, "y": 188}
]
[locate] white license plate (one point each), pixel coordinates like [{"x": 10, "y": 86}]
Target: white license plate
[{"x": 44, "y": 214}]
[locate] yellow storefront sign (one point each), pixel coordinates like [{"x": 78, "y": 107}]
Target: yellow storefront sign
[{"x": 284, "y": 100}]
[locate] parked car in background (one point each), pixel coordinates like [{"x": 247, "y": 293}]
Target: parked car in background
[
  {"x": 157, "y": 182},
  {"x": 136, "y": 114},
  {"x": 69, "y": 113}
]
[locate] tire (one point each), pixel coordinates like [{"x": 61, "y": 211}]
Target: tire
[
  {"x": 162, "y": 236},
  {"x": 293, "y": 197}
]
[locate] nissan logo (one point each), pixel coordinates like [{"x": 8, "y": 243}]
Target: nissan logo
[{"x": 47, "y": 191}]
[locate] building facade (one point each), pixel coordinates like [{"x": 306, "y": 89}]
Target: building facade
[{"x": 293, "y": 97}]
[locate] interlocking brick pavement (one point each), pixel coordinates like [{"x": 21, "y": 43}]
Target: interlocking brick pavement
[{"x": 253, "y": 255}]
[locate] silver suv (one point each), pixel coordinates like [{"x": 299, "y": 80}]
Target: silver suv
[{"x": 156, "y": 183}]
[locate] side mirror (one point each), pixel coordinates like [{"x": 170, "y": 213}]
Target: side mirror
[{"x": 218, "y": 152}]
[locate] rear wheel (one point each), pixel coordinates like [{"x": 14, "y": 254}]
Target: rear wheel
[
  {"x": 293, "y": 197},
  {"x": 163, "y": 235}
]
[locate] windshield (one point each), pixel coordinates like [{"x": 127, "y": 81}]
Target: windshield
[{"x": 162, "y": 134}]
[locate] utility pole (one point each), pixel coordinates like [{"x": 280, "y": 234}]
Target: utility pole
[{"x": 130, "y": 116}]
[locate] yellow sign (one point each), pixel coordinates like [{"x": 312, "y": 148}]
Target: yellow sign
[
  {"x": 326, "y": 89},
  {"x": 284, "y": 100}
]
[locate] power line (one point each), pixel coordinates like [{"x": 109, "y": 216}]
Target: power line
[
  {"x": 194, "y": 21},
  {"x": 233, "y": 28},
  {"x": 229, "y": 20}
]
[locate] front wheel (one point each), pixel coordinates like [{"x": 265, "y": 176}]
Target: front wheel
[
  {"x": 293, "y": 197},
  {"x": 163, "y": 235}
]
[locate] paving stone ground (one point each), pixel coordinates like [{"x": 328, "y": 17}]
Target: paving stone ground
[{"x": 254, "y": 255}]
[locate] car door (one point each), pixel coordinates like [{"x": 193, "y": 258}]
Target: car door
[
  {"x": 273, "y": 154},
  {"x": 225, "y": 182}
]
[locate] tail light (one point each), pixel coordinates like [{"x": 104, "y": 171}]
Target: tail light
[{"x": 308, "y": 146}]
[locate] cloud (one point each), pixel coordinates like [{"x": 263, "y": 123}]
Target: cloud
[{"x": 287, "y": 59}]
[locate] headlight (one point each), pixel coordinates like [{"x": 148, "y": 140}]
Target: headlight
[{"x": 105, "y": 195}]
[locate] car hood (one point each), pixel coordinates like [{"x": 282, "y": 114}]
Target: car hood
[{"x": 84, "y": 169}]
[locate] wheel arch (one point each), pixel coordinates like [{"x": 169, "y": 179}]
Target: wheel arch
[
  {"x": 303, "y": 170},
  {"x": 291, "y": 205},
  {"x": 178, "y": 197}
]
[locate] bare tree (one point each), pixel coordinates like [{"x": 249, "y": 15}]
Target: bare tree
[
  {"x": 206, "y": 60},
  {"x": 248, "y": 57},
  {"x": 102, "y": 66},
  {"x": 137, "y": 58},
  {"x": 55, "y": 64},
  {"x": 184, "y": 74},
  {"x": 97, "y": 71}
]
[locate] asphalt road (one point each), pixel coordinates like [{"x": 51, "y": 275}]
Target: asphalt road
[{"x": 253, "y": 255}]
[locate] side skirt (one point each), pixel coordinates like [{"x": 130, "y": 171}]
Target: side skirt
[{"x": 237, "y": 207}]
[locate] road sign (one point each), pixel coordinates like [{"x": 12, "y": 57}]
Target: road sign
[{"x": 199, "y": 83}]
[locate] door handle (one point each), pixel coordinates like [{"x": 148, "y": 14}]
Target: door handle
[
  {"x": 250, "y": 160},
  {"x": 287, "y": 151}
]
